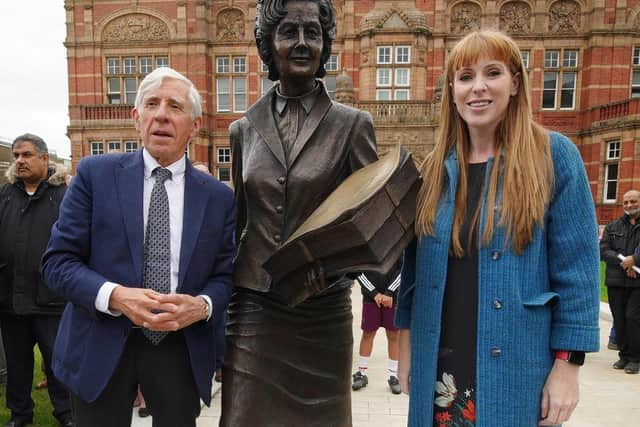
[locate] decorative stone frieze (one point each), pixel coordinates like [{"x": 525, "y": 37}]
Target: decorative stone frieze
[
  {"x": 515, "y": 17},
  {"x": 564, "y": 17},
  {"x": 230, "y": 25},
  {"x": 134, "y": 28},
  {"x": 465, "y": 17}
]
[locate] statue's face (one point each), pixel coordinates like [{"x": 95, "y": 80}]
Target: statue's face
[{"x": 297, "y": 41}]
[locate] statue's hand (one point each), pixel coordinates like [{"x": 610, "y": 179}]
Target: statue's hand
[{"x": 315, "y": 279}]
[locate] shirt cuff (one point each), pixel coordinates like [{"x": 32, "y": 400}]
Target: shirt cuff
[
  {"x": 208, "y": 300},
  {"x": 102, "y": 300}
]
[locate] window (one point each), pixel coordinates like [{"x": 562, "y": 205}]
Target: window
[
  {"x": 393, "y": 76},
  {"x": 635, "y": 73},
  {"x": 611, "y": 169},
  {"x": 130, "y": 146},
  {"x": 332, "y": 63},
  {"x": 231, "y": 84},
  {"x": 560, "y": 79},
  {"x": 113, "y": 146},
  {"x": 224, "y": 174},
  {"x": 224, "y": 155},
  {"x": 125, "y": 73},
  {"x": 97, "y": 147},
  {"x": 265, "y": 82},
  {"x": 525, "y": 58}
]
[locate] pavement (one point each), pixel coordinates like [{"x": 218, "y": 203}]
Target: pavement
[{"x": 608, "y": 397}]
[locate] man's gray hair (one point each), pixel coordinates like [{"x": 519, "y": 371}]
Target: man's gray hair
[
  {"x": 153, "y": 81},
  {"x": 38, "y": 143}
]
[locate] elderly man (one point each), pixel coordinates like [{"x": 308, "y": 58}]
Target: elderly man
[
  {"x": 143, "y": 251},
  {"x": 29, "y": 312},
  {"x": 619, "y": 249}
]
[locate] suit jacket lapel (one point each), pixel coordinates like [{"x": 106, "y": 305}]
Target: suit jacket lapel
[
  {"x": 320, "y": 108},
  {"x": 260, "y": 115},
  {"x": 130, "y": 182},
  {"x": 195, "y": 202}
]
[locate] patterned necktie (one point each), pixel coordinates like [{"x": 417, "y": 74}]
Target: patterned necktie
[{"x": 157, "y": 245}]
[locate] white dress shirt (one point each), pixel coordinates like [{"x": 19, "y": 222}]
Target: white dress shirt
[{"x": 175, "y": 193}]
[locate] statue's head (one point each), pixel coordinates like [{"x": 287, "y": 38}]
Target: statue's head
[{"x": 282, "y": 47}]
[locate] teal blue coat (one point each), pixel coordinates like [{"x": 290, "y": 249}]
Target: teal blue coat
[{"x": 529, "y": 305}]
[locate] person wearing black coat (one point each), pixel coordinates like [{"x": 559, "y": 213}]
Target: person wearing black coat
[
  {"x": 29, "y": 311},
  {"x": 619, "y": 248}
]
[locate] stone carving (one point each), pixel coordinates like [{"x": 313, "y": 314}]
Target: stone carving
[
  {"x": 135, "y": 27},
  {"x": 465, "y": 17},
  {"x": 564, "y": 17},
  {"x": 636, "y": 23},
  {"x": 515, "y": 17},
  {"x": 394, "y": 19},
  {"x": 230, "y": 25}
]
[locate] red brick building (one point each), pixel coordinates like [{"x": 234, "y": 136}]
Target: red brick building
[{"x": 583, "y": 59}]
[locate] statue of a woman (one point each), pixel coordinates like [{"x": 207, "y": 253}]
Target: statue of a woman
[{"x": 290, "y": 366}]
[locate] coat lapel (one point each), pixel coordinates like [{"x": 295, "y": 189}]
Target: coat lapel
[
  {"x": 195, "y": 202},
  {"x": 130, "y": 182},
  {"x": 320, "y": 108},
  {"x": 260, "y": 115}
]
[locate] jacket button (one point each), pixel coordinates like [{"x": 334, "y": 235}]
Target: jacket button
[
  {"x": 277, "y": 238},
  {"x": 279, "y": 209},
  {"x": 282, "y": 180},
  {"x": 495, "y": 255},
  {"x": 495, "y": 352},
  {"x": 497, "y": 304}
]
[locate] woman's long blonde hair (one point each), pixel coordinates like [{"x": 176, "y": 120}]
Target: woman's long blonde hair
[{"x": 525, "y": 171}]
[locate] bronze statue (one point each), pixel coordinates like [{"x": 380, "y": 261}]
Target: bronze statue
[{"x": 290, "y": 366}]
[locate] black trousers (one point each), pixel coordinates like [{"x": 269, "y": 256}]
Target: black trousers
[
  {"x": 20, "y": 334},
  {"x": 625, "y": 308},
  {"x": 165, "y": 378}
]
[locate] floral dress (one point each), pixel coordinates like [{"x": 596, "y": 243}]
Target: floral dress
[{"x": 455, "y": 390}]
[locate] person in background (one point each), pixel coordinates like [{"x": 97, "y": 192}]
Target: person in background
[
  {"x": 378, "y": 310},
  {"x": 619, "y": 248},
  {"x": 29, "y": 312},
  {"x": 498, "y": 301}
]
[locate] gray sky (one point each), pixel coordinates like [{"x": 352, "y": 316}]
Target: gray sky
[{"x": 33, "y": 72}]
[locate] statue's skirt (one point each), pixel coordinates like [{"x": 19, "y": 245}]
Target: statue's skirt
[{"x": 288, "y": 366}]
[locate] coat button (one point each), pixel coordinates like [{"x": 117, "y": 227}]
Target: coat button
[
  {"x": 495, "y": 255},
  {"x": 277, "y": 238},
  {"x": 279, "y": 209},
  {"x": 497, "y": 304},
  {"x": 495, "y": 352},
  {"x": 282, "y": 180}
]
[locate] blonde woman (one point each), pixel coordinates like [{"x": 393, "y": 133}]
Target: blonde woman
[{"x": 499, "y": 294}]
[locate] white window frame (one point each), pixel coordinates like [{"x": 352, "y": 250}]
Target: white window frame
[
  {"x": 608, "y": 179},
  {"x": 551, "y": 58},
  {"x": 398, "y": 55},
  {"x": 384, "y": 77},
  {"x": 223, "y": 65},
  {"x": 333, "y": 63},
  {"x": 387, "y": 97},
  {"x": 564, "y": 89},
  {"x": 219, "y": 176},
  {"x": 398, "y": 92},
  {"x": 129, "y": 65},
  {"x": 570, "y": 58},
  {"x": 114, "y": 146},
  {"x": 238, "y": 92},
  {"x": 384, "y": 55},
  {"x": 396, "y": 77},
  {"x": 219, "y": 94},
  {"x": 130, "y": 146},
  {"x": 162, "y": 61},
  {"x": 224, "y": 154},
  {"x": 547, "y": 90},
  {"x": 526, "y": 55},
  {"x": 113, "y": 66},
  {"x": 96, "y": 147},
  {"x": 614, "y": 150},
  {"x": 127, "y": 69},
  {"x": 239, "y": 64},
  {"x": 635, "y": 85}
]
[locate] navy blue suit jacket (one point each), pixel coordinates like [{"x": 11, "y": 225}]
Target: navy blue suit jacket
[{"x": 99, "y": 237}]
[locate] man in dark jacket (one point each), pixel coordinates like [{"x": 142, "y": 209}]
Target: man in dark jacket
[
  {"x": 619, "y": 249},
  {"x": 29, "y": 312}
]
